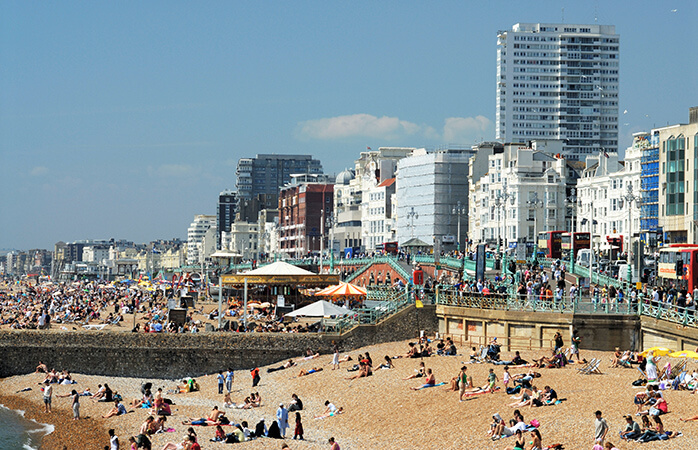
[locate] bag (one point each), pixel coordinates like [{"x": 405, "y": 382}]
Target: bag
[
  {"x": 535, "y": 423},
  {"x": 640, "y": 382}
]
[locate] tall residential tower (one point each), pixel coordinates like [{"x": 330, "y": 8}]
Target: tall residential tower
[{"x": 559, "y": 81}]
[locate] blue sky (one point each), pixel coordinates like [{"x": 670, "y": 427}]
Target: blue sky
[{"x": 125, "y": 119}]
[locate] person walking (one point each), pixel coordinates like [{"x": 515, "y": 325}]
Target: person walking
[
  {"x": 113, "y": 440},
  {"x": 298, "y": 432},
  {"x": 229, "y": 378},
  {"x": 335, "y": 358},
  {"x": 255, "y": 376},
  {"x": 221, "y": 381},
  {"x": 600, "y": 428},
  {"x": 282, "y": 419},
  {"x": 48, "y": 396}
]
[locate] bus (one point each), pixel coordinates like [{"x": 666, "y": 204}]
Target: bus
[
  {"x": 574, "y": 241},
  {"x": 666, "y": 268},
  {"x": 550, "y": 244},
  {"x": 387, "y": 247}
]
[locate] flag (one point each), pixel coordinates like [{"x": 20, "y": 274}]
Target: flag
[
  {"x": 418, "y": 303},
  {"x": 368, "y": 148},
  {"x": 605, "y": 154}
]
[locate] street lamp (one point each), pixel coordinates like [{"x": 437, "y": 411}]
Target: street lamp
[
  {"x": 458, "y": 209},
  {"x": 572, "y": 203},
  {"x": 629, "y": 198},
  {"x": 534, "y": 203},
  {"x": 502, "y": 199},
  {"x": 411, "y": 215}
]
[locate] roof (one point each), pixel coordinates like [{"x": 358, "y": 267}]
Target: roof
[
  {"x": 279, "y": 268},
  {"x": 387, "y": 182},
  {"x": 320, "y": 308},
  {"x": 415, "y": 242}
]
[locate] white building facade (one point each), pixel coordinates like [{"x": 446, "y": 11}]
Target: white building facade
[
  {"x": 196, "y": 237},
  {"x": 603, "y": 193},
  {"x": 559, "y": 81},
  {"x": 516, "y": 191}
]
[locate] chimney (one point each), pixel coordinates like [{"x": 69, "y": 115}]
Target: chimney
[{"x": 693, "y": 114}]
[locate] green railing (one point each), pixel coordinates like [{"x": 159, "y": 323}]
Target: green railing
[
  {"x": 686, "y": 317},
  {"x": 395, "y": 300}
]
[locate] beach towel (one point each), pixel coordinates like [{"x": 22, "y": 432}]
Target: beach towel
[
  {"x": 434, "y": 385},
  {"x": 486, "y": 391}
]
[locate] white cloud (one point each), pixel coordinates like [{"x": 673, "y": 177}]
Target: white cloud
[
  {"x": 461, "y": 130},
  {"x": 175, "y": 170},
  {"x": 358, "y": 125},
  {"x": 38, "y": 171},
  {"x": 465, "y": 130}
]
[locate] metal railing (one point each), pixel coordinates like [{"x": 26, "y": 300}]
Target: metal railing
[
  {"x": 687, "y": 317},
  {"x": 395, "y": 300}
]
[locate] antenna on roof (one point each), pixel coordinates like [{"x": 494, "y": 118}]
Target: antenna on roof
[
  {"x": 596, "y": 11},
  {"x": 563, "y": 14}
]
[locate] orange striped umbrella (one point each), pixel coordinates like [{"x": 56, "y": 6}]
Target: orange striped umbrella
[{"x": 341, "y": 289}]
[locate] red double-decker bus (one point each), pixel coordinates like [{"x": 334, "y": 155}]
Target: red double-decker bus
[
  {"x": 668, "y": 264},
  {"x": 550, "y": 243},
  {"x": 574, "y": 241}
]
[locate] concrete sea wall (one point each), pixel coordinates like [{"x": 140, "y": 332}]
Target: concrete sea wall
[{"x": 176, "y": 355}]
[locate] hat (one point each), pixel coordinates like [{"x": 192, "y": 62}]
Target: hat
[
  {"x": 281, "y": 405},
  {"x": 627, "y": 416},
  {"x": 497, "y": 417}
]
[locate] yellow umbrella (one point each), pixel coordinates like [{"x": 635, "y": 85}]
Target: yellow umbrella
[
  {"x": 684, "y": 354},
  {"x": 657, "y": 351}
]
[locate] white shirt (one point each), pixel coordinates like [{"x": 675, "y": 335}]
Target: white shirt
[{"x": 114, "y": 443}]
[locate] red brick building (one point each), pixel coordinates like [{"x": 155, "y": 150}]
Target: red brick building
[{"x": 303, "y": 204}]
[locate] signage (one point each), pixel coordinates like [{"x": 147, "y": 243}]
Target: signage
[{"x": 448, "y": 239}]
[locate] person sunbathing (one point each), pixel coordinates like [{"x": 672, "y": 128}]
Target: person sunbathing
[
  {"x": 524, "y": 399},
  {"x": 213, "y": 418},
  {"x": 304, "y": 372},
  {"x": 364, "y": 371},
  {"x": 345, "y": 359},
  {"x": 413, "y": 352},
  {"x": 419, "y": 373},
  {"x": 146, "y": 400},
  {"x": 41, "y": 368},
  {"x": 157, "y": 425},
  {"x": 117, "y": 410},
  {"x": 388, "y": 364},
  {"x": 256, "y": 399},
  {"x": 429, "y": 382},
  {"x": 306, "y": 358},
  {"x": 615, "y": 360}
]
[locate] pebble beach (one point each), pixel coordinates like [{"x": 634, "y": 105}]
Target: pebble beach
[{"x": 381, "y": 411}]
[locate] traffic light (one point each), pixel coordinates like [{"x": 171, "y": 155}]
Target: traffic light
[{"x": 679, "y": 268}]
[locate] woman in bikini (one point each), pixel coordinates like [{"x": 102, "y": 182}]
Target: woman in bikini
[
  {"x": 537, "y": 442},
  {"x": 520, "y": 443},
  {"x": 429, "y": 382}
]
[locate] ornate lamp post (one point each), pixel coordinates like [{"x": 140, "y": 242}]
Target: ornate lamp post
[
  {"x": 411, "y": 215},
  {"x": 458, "y": 209},
  {"x": 572, "y": 203},
  {"x": 535, "y": 202},
  {"x": 628, "y": 199}
]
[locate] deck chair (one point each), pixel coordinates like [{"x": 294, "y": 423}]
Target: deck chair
[
  {"x": 595, "y": 368},
  {"x": 584, "y": 369},
  {"x": 678, "y": 369}
]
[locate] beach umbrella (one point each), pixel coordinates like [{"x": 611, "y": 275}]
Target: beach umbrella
[
  {"x": 342, "y": 289},
  {"x": 684, "y": 354},
  {"x": 657, "y": 351}
]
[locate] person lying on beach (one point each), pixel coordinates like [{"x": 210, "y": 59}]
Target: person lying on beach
[
  {"x": 330, "y": 410},
  {"x": 306, "y": 358},
  {"x": 413, "y": 352},
  {"x": 429, "y": 382},
  {"x": 525, "y": 397},
  {"x": 288, "y": 364},
  {"x": 100, "y": 392},
  {"x": 419, "y": 373},
  {"x": 188, "y": 444},
  {"x": 211, "y": 419},
  {"x": 117, "y": 410},
  {"x": 388, "y": 364},
  {"x": 305, "y": 372},
  {"x": 344, "y": 359}
]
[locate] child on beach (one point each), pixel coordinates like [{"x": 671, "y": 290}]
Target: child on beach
[
  {"x": 506, "y": 377},
  {"x": 298, "y": 433}
]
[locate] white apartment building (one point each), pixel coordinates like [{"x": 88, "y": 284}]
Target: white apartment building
[
  {"x": 362, "y": 201},
  {"x": 429, "y": 184},
  {"x": 197, "y": 236},
  {"x": 602, "y": 195},
  {"x": 559, "y": 81},
  {"x": 243, "y": 239},
  {"x": 517, "y": 191},
  {"x": 95, "y": 254}
]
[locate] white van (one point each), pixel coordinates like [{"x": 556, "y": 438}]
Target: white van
[
  {"x": 583, "y": 258},
  {"x": 623, "y": 273}
]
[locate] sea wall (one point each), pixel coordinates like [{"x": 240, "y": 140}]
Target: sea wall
[{"x": 177, "y": 355}]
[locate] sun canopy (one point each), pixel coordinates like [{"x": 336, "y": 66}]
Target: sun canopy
[
  {"x": 279, "y": 268},
  {"x": 319, "y": 309},
  {"x": 341, "y": 289}
]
